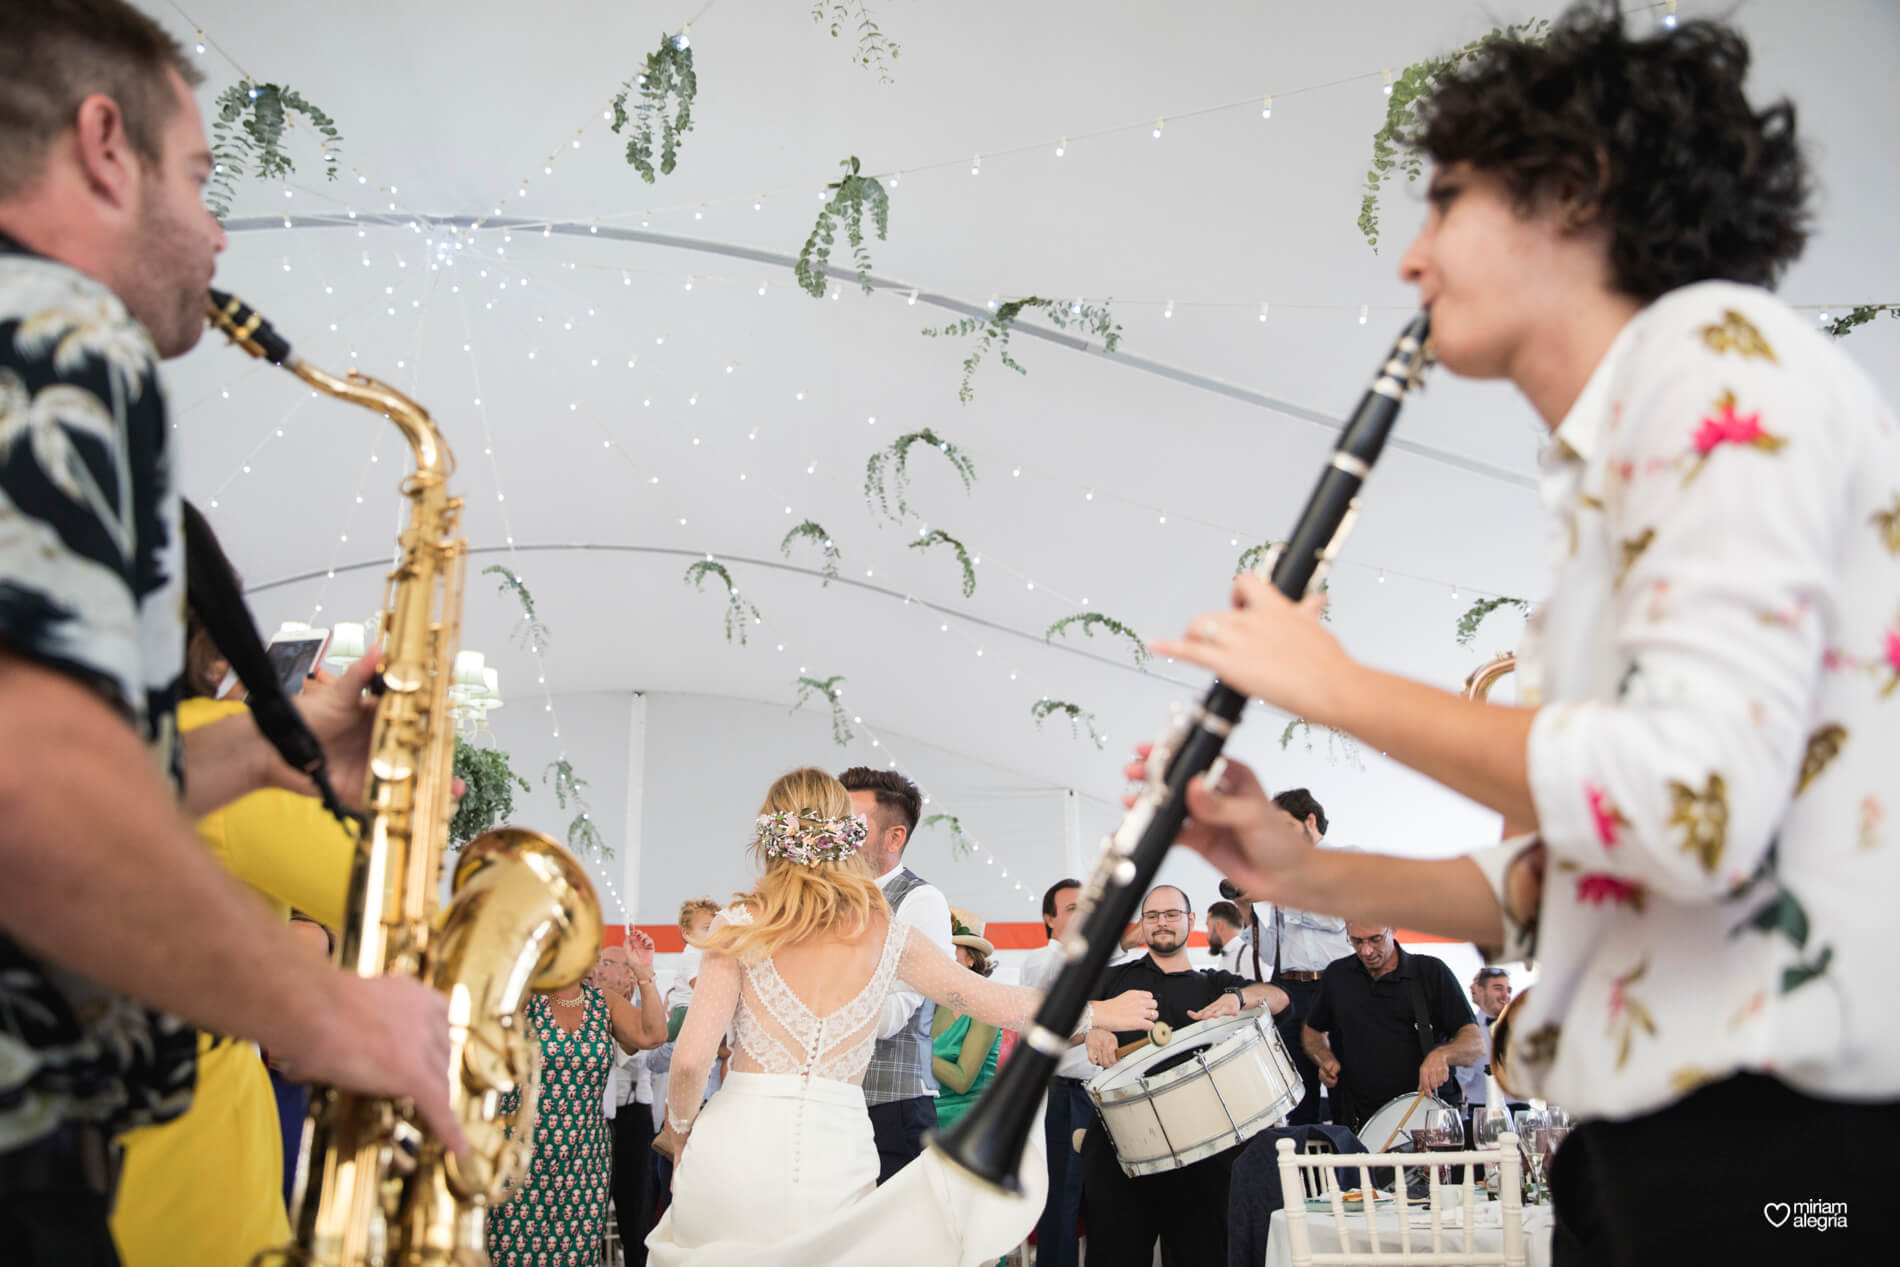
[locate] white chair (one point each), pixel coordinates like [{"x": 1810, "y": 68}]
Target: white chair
[{"x": 1424, "y": 1246}]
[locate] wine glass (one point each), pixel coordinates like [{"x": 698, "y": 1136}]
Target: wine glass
[
  {"x": 1488, "y": 1124},
  {"x": 1556, "y": 1129},
  {"x": 1438, "y": 1129},
  {"x": 1533, "y": 1124}
]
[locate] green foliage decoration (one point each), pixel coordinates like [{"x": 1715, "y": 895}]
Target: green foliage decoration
[
  {"x": 875, "y": 51},
  {"x": 887, "y": 472},
  {"x": 1338, "y": 742},
  {"x": 1841, "y": 327},
  {"x": 851, "y": 195},
  {"x": 247, "y": 138},
  {"x": 1391, "y": 143},
  {"x": 995, "y": 329},
  {"x": 738, "y": 610},
  {"x": 813, "y": 531},
  {"x": 938, "y": 536},
  {"x": 529, "y": 631},
  {"x": 841, "y": 732},
  {"x": 668, "y": 73},
  {"x": 583, "y": 834},
  {"x": 490, "y": 795},
  {"x": 960, "y": 843},
  {"x": 1089, "y": 622},
  {"x": 1079, "y": 717},
  {"x": 1475, "y": 614}
]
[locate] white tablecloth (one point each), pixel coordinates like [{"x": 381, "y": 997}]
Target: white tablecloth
[{"x": 1487, "y": 1235}]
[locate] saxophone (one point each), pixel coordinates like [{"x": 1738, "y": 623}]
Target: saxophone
[{"x": 372, "y": 1188}]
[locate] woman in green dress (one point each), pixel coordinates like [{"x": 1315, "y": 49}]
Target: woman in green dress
[
  {"x": 558, "y": 1214},
  {"x": 964, "y": 1052}
]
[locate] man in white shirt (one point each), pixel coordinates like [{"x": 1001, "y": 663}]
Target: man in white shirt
[
  {"x": 1705, "y": 754},
  {"x": 1491, "y": 991},
  {"x": 1230, "y": 941},
  {"x": 899, "y": 1089}
]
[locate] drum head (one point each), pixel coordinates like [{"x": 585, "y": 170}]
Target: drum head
[{"x": 1381, "y": 1125}]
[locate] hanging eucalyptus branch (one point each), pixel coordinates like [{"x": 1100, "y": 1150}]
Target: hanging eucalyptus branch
[
  {"x": 874, "y": 47},
  {"x": 1841, "y": 327},
  {"x": 996, "y": 328},
  {"x": 1089, "y": 621},
  {"x": 583, "y": 834},
  {"x": 851, "y": 194},
  {"x": 1475, "y": 614},
  {"x": 529, "y": 630},
  {"x": 841, "y": 732},
  {"x": 668, "y": 73},
  {"x": 888, "y": 471},
  {"x": 1392, "y": 143},
  {"x": 1078, "y": 716},
  {"x": 247, "y": 138},
  {"x": 938, "y": 536},
  {"x": 1251, "y": 558},
  {"x": 1338, "y": 742},
  {"x": 488, "y": 797},
  {"x": 812, "y": 530},
  {"x": 737, "y": 608},
  {"x": 960, "y": 844}
]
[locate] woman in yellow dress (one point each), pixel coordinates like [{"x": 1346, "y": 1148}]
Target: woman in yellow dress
[{"x": 207, "y": 1187}]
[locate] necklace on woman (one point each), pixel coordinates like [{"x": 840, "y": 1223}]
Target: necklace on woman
[{"x": 576, "y": 1001}]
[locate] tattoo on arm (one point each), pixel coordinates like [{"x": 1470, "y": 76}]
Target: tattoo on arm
[{"x": 957, "y": 1004}]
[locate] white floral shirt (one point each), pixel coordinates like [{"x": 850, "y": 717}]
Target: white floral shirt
[{"x": 1716, "y": 758}]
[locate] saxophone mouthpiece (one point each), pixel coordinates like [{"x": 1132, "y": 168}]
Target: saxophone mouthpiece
[{"x": 246, "y": 328}]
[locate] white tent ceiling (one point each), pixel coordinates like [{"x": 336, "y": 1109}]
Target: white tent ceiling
[{"x": 672, "y": 420}]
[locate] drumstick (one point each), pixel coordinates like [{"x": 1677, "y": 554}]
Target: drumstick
[
  {"x": 1418, "y": 1100},
  {"x": 1160, "y": 1036}
]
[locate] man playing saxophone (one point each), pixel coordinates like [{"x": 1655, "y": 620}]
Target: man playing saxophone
[{"x": 117, "y": 930}]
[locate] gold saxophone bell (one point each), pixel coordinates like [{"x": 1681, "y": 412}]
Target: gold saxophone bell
[
  {"x": 372, "y": 1188},
  {"x": 1503, "y": 1066}
]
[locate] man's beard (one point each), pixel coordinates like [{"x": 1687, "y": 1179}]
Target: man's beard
[
  {"x": 164, "y": 289},
  {"x": 1164, "y": 943},
  {"x": 1215, "y": 944}
]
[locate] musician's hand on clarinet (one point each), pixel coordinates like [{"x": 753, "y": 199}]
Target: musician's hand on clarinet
[
  {"x": 1101, "y": 1047},
  {"x": 1270, "y": 648},
  {"x": 1131, "y": 1009},
  {"x": 1248, "y": 838}
]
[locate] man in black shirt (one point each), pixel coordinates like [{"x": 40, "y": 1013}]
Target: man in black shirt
[
  {"x": 1185, "y": 1208},
  {"x": 1387, "y": 1024}
]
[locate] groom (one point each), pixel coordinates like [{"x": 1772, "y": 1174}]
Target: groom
[{"x": 899, "y": 1089}]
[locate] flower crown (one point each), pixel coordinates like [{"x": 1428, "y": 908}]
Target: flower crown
[{"x": 809, "y": 838}]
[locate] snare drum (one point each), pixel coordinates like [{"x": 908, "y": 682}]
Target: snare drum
[{"x": 1215, "y": 1085}]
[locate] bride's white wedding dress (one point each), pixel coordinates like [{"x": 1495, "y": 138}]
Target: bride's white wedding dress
[{"x": 780, "y": 1168}]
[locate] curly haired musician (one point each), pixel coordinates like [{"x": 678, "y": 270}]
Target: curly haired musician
[{"x": 1707, "y": 751}]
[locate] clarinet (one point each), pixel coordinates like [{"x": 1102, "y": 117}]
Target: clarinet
[{"x": 989, "y": 1141}]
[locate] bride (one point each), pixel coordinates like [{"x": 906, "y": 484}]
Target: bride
[{"x": 780, "y": 1167}]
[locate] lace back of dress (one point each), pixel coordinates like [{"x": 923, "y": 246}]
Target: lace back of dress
[{"x": 775, "y": 1032}]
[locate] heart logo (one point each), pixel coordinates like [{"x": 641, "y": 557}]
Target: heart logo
[{"x": 1776, "y": 1212}]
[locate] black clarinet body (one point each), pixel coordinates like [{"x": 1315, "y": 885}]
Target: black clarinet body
[{"x": 989, "y": 1141}]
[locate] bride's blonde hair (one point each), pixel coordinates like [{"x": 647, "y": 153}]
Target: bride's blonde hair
[{"x": 793, "y": 900}]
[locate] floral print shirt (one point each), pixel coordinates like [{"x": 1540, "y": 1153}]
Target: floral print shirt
[
  {"x": 1715, "y": 759},
  {"x": 92, "y": 585}
]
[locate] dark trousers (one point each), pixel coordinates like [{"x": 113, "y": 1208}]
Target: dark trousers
[
  {"x": 56, "y": 1199},
  {"x": 633, "y": 1177},
  {"x": 1731, "y": 1174},
  {"x": 1301, "y": 996},
  {"x": 1186, "y": 1209},
  {"x": 293, "y": 1102},
  {"x": 1069, "y": 1111},
  {"x": 68, "y": 1229},
  {"x": 898, "y": 1128}
]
